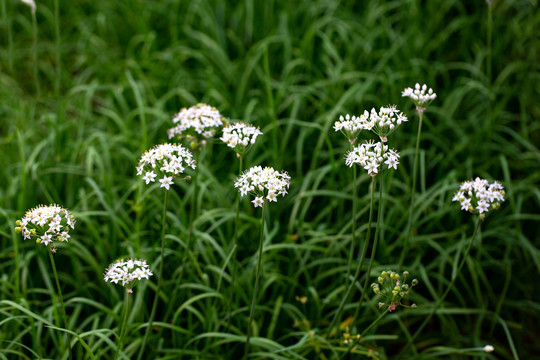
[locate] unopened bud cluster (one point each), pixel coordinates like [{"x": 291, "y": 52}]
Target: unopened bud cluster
[
  {"x": 372, "y": 156},
  {"x": 195, "y": 124},
  {"x": 46, "y": 224},
  {"x": 479, "y": 196},
  {"x": 240, "y": 136},
  {"x": 264, "y": 184},
  {"x": 127, "y": 271},
  {"x": 392, "y": 288},
  {"x": 420, "y": 95},
  {"x": 164, "y": 162}
]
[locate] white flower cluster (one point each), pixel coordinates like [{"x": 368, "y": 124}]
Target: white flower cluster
[
  {"x": 419, "y": 95},
  {"x": 264, "y": 184},
  {"x": 479, "y": 196},
  {"x": 127, "y": 271},
  {"x": 371, "y": 156},
  {"x": 240, "y": 136},
  {"x": 164, "y": 161},
  {"x": 200, "y": 120},
  {"x": 386, "y": 120},
  {"x": 351, "y": 126},
  {"x": 46, "y": 224}
]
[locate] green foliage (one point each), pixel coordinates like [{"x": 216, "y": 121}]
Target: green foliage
[{"x": 290, "y": 67}]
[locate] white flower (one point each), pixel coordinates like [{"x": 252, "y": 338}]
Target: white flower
[
  {"x": 149, "y": 177},
  {"x": 30, "y": 3},
  {"x": 263, "y": 183},
  {"x": 479, "y": 196},
  {"x": 166, "y": 182},
  {"x": 488, "y": 348},
  {"x": 46, "y": 224},
  {"x": 201, "y": 121},
  {"x": 386, "y": 121},
  {"x": 419, "y": 95},
  {"x": 351, "y": 126},
  {"x": 371, "y": 156},
  {"x": 240, "y": 136},
  {"x": 165, "y": 161},
  {"x": 127, "y": 272}
]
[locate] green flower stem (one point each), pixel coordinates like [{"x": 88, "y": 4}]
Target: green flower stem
[
  {"x": 257, "y": 278},
  {"x": 364, "y": 333},
  {"x": 373, "y": 250},
  {"x": 441, "y": 299},
  {"x": 353, "y": 241},
  {"x": 413, "y": 190},
  {"x": 359, "y": 269},
  {"x": 64, "y": 316},
  {"x": 160, "y": 278},
  {"x": 120, "y": 342},
  {"x": 34, "y": 53}
]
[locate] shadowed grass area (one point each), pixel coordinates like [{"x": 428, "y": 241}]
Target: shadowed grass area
[{"x": 291, "y": 68}]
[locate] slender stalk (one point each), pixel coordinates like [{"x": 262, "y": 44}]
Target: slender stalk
[
  {"x": 34, "y": 53},
  {"x": 441, "y": 299},
  {"x": 413, "y": 189},
  {"x": 364, "y": 333},
  {"x": 120, "y": 342},
  {"x": 373, "y": 249},
  {"x": 57, "y": 33},
  {"x": 257, "y": 278},
  {"x": 160, "y": 278},
  {"x": 64, "y": 316},
  {"x": 359, "y": 268},
  {"x": 353, "y": 241}
]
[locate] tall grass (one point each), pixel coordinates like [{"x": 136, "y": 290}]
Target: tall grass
[{"x": 291, "y": 68}]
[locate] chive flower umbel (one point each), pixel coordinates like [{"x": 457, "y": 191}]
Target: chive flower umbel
[
  {"x": 264, "y": 184},
  {"x": 127, "y": 271},
  {"x": 351, "y": 126},
  {"x": 394, "y": 289},
  {"x": 196, "y": 124},
  {"x": 46, "y": 224},
  {"x": 386, "y": 121},
  {"x": 420, "y": 95},
  {"x": 164, "y": 162},
  {"x": 479, "y": 196},
  {"x": 240, "y": 137},
  {"x": 371, "y": 157}
]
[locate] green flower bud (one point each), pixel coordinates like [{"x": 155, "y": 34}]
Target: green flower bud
[
  {"x": 414, "y": 282},
  {"x": 380, "y": 279},
  {"x": 18, "y": 229},
  {"x": 18, "y": 222},
  {"x": 413, "y": 306},
  {"x": 381, "y": 305},
  {"x": 405, "y": 287},
  {"x": 405, "y": 274},
  {"x": 384, "y": 274}
]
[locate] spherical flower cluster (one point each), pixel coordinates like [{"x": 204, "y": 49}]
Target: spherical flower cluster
[
  {"x": 419, "y": 96},
  {"x": 127, "y": 271},
  {"x": 394, "y": 289},
  {"x": 164, "y": 162},
  {"x": 46, "y": 224},
  {"x": 479, "y": 196},
  {"x": 351, "y": 126},
  {"x": 264, "y": 184},
  {"x": 240, "y": 137},
  {"x": 386, "y": 121},
  {"x": 371, "y": 156},
  {"x": 196, "y": 123}
]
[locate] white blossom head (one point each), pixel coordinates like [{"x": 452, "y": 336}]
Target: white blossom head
[
  {"x": 352, "y": 126},
  {"x": 164, "y": 162},
  {"x": 196, "y": 124},
  {"x": 488, "y": 348},
  {"x": 263, "y": 183},
  {"x": 46, "y": 224},
  {"x": 479, "y": 196},
  {"x": 127, "y": 271},
  {"x": 386, "y": 121},
  {"x": 420, "y": 95},
  {"x": 240, "y": 137},
  {"x": 30, "y": 3},
  {"x": 372, "y": 157}
]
